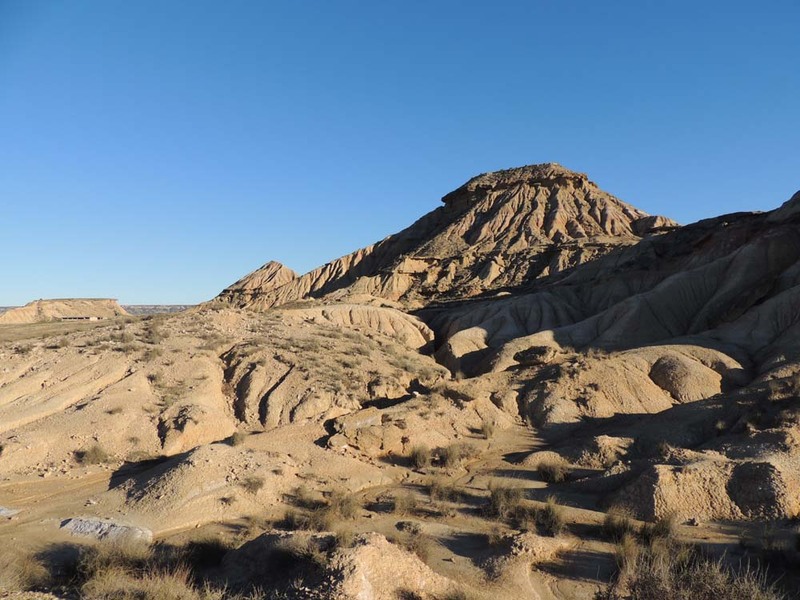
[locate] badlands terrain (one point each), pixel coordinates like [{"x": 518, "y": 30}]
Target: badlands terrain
[{"x": 535, "y": 391}]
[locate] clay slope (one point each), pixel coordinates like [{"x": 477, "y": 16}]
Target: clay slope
[
  {"x": 732, "y": 281},
  {"x": 498, "y": 230},
  {"x": 70, "y": 308}
]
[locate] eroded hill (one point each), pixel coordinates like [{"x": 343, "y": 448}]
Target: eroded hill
[{"x": 517, "y": 396}]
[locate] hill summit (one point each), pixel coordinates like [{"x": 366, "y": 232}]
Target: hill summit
[{"x": 499, "y": 229}]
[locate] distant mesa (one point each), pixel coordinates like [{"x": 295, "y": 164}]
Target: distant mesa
[{"x": 64, "y": 309}]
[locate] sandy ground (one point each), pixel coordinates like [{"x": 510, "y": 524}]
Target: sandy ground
[{"x": 182, "y": 386}]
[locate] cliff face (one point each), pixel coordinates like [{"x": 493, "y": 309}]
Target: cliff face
[{"x": 499, "y": 229}]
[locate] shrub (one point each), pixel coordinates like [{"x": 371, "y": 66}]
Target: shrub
[
  {"x": 453, "y": 455},
  {"x": 94, "y": 455},
  {"x": 323, "y": 516},
  {"x": 416, "y": 542},
  {"x": 252, "y": 484},
  {"x": 345, "y": 538},
  {"x": 404, "y": 503},
  {"x": 626, "y": 552},
  {"x": 294, "y": 520},
  {"x": 343, "y": 505},
  {"x": 420, "y": 457},
  {"x": 618, "y": 523},
  {"x": 663, "y": 528},
  {"x": 504, "y": 501},
  {"x": 205, "y": 553},
  {"x": 305, "y": 498},
  {"x": 442, "y": 490},
  {"x": 675, "y": 572},
  {"x": 553, "y": 471},
  {"x": 495, "y": 536},
  {"x": 290, "y": 565},
  {"x": 153, "y": 335},
  {"x": 20, "y": 571},
  {"x": 238, "y": 438},
  {"x": 152, "y": 354},
  {"x": 488, "y": 428},
  {"x": 550, "y": 518}
]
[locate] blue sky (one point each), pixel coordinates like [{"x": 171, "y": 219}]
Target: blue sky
[{"x": 156, "y": 151}]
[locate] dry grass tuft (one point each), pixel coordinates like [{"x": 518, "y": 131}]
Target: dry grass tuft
[
  {"x": 442, "y": 490},
  {"x": 553, "y": 471},
  {"x": 342, "y": 505},
  {"x": 505, "y": 502},
  {"x": 488, "y": 428},
  {"x": 252, "y": 484},
  {"x": 618, "y": 523},
  {"x": 20, "y": 571},
  {"x": 174, "y": 584},
  {"x": 420, "y": 457},
  {"x": 414, "y": 541},
  {"x": 238, "y": 438},
  {"x": 318, "y": 516},
  {"x": 404, "y": 503},
  {"x": 663, "y": 529},
  {"x": 451, "y": 457},
  {"x": 550, "y": 518},
  {"x": 678, "y": 572},
  {"x": 94, "y": 455}
]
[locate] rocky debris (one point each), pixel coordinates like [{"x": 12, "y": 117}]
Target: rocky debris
[
  {"x": 430, "y": 420},
  {"x": 535, "y": 356},
  {"x": 106, "y": 529},
  {"x": 602, "y": 451},
  {"x": 377, "y": 569},
  {"x": 369, "y": 567},
  {"x": 8, "y": 512},
  {"x": 713, "y": 489},
  {"x": 534, "y": 548}
]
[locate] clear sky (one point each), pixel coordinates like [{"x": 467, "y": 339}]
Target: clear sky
[{"x": 156, "y": 150}]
